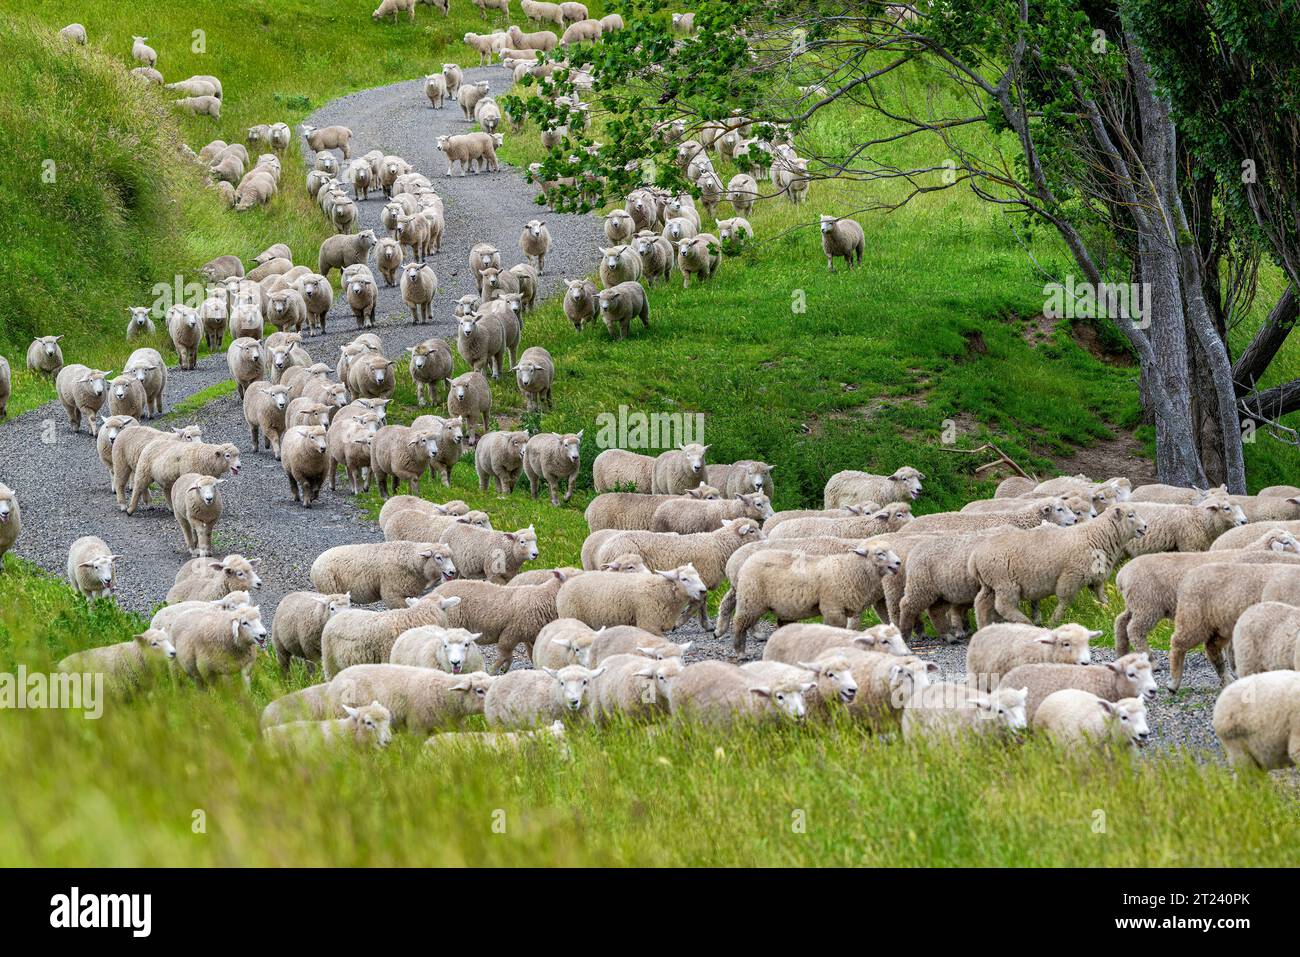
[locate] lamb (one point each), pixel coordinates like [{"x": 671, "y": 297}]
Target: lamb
[
  {"x": 197, "y": 506},
  {"x": 126, "y": 664},
  {"x": 246, "y": 360},
  {"x": 552, "y": 458},
  {"x": 139, "y": 326},
  {"x": 535, "y": 240},
  {"x": 704, "y": 515},
  {"x": 470, "y": 148},
  {"x": 470, "y": 398},
  {"x": 206, "y": 580},
  {"x": 214, "y": 644},
  {"x": 402, "y": 503},
  {"x": 306, "y": 462},
  {"x": 1036, "y": 563},
  {"x": 299, "y": 621},
  {"x": 996, "y": 649},
  {"x": 500, "y": 456},
  {"x": 1211, "y": 599},
  {"x": 844, "y": 238},
  {"x": 415, "y": 231},
  {"x": 1081, "y": 484},
  {"x": 952, "y": 710},
  {"x": 400, "y": 453},
  {"x": 419, "y": 285},
  {"x": 1080, "y": 719},
  {"x": 674, "y": 471},
  {"x": 1015, "y": 486},
  {"x": 388, "y": 259},
  {"x": 657, "y": 255},
  {"x": 889, "y": 519},
  {"x": 522, "y": 699},
  {"x": 718, "y": 693},
  {"x": 573, "y": 12},
  {"x": 832, "y": 680},
  {"x": 619, "y": 470},
  {"x": 82, "y": 392},
  {"x": 581, "y": 31},
  {"x": 850, "y": 487},
  {"x": 1129, "y": 676},
  {"x": 356, "y": 636},
  {"x": 343, "y": 250},
  {"x": 453, "y": 650},
  {"x": 654, "y": 602},
  {"x": 491, "y": 555},
  {"x": 1149, "y": 583},
  {"x": 809, "y": 642},
  {"x": 706, "y": 552},
  {"x": 417, "y": 525},
  {"x": 794, "y": 586},
  {"x": 45, "y": 356},
  {"x": 618, "y": 264},
  {"x": 73, "y": 33},
  {"x": 165, "y": 460},
  {"x": 634, "y": 511},
  {"x": 390, "y": 572},
  {"x": 630, "y": 640},
  {"x": 91, "y": 569},
  {"x": 306, "y": 412},
  {"x": 126, "y": 397},
  {"x": 284, "y": 352},
  {"x": 328, "y": 138},
  {"x": 1257, "y": 720},
  {"x": 421, "y": 700},
  {"x": 1185, "y": 528},
  {"x": 141, "y": 52},
  {"x": 1266, "y": 638},
  {"x": 11, "y": 521},
  {"x": 620, "y": 304},
  {"x": 564, "y": 641},
  {"x": 1279, "y": 491},
  {"x": 125, "y": 454},
  {"x": 507, "y": 619},
  {"x": 488, "y": 114},
  {"x": 109, "y": 430},
  {"x": 366, "y": 727},
  {"x": 698, "y": 255},
  {"x": 264, "y": 408}
]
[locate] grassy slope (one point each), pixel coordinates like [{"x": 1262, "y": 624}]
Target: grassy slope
[{"x": 864, "y": 378}]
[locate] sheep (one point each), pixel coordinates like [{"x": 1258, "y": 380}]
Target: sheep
[
  {"x": 139, "y": 326},
  {"x": 73, "y": 33},
  {"x": 1185, "y": 528},
  {"x": 703, "y": 515},
  {"x": 677, "y": 229},
  {"x": 794, "y": 586},
  {"x": 831, "y": 676},
  {"x": 848, "y": 511},
  {"x": 1082, "y": 507},
  {"x": 888, "y": 519},
  {"x": 141, "y": 52},
  {"x": 124, "y": 665},
  {"x": 634, "y": 686},
  {"x": 435, "y": 88},
  {"x": 109, "y": 430},
  {"x": 522, "y": 699},
  {"x": 618, "y": 264},
  {"x": 313, "y": 383},
  {"x": 543, "y": 12},
  {"x": 196, "y": 504},
  {"x": 844, "y": 238},
  {"x": 1266, "y": 638},
  {"x": 573, "y": 12},
  {"x": 620, "y": 304},
  {"x": 418, "y": 525},
  {"x": 318, "y": 296},
  {"x": 1114, "y": 490},
  {"x": 343, "y": 250},
  {"x": 213, "y": 644},
  {"x": 11, "y": 521},
  {"x": 328, "y": 138},
  {"x": 683, "y": 23},
  {"x": 794, "y": 643},
  {"x": 125, "y": 454},
  {"x": 419, "y": 285},
  {"x": 936, "y": 582},
  {"x": 148, "y": 74},
  {"x": 394, "y": 7},
  {"x": 420, "y": 700},
  {"x": 204, "y": 579},
  {"x": 299, "y": 621},
  {"x": 388, "y": 259},
  {"x": 246, "y": 322},
  {"x": 564, "y": 641},
  {"x": 995, "y": 649},
  {"x": 453, "y": 650},
  {"x": 633, "y": 511},
  {"x": 628, "y": 640},
  {"x": 497, "y": 740},
  {"x": 1015, "y": 486},
  {"x": 470, "y": 398},
  {"x": 246, "y": 360},
  {"x": 486, "y": 554},
  {"x": 366, "y": 727},
  {"x": 1257, "y": 720},
  {"x": 718, "y": 693},
  {"x": 430, "y": 366},
  {"x": 481, "y": 342},
  {"x": 165, "y": 460},
  {"x": 580, "y": 301},
  {"x": 390, "y": 572},
  {"x": 1079, "y": 719},
  {"x": 1129, "y": 676},
  {"x": 449, "y": 437},
  {"x": 44, "y": 355},
  {"x": 527, "y": 279},
  {"x": 126, "y": 397},
  {"x": 706, "y": 552},
  {"x": 306, "y": 412},
  {"x": 488, "y": 114},
  {"x": 370, "y": 376},
  {"x": 850, "y": 487},
  {"x": 657, "y": 255},
  {"x": 620, "y": 470},
  {"x": 676, "y": 470},
  {"x": 91, "y": 569},
  {"x": 654, "y": 601},
  {"x": 1050, "y": 511},
  {"x": 552, "y": 458},
  {"x": 284, "y": 352},
  {"x": 468, "y": 149},
  {"x": 357, "y": 636},
  {"x": 306, "y": 462},
  {"x": 619, "y": 227},
  {"x": 200, "y": 106},
  {"x": 264, "y": 408},
  {"x": 82, "y": 392},
  {"x": 535, "y": 371},
  {"x": 742, "y": 193},
  {"x": 400, "y": 453},
  {"x": 698, "y": 255},
  {"x": 1211, "y": 599},
  {"x": 581, "y": 31},
  {"x": 1279, "y": 491},
  {"x": 951, "y": 710},
  {"x": 535, "y": 242},
  {"x": 507, "y": 619},
  {"x": 1150, "y": 583},
  {"x": 1036, "y": 563},
  {"x": 500, "y": 456},
  {"x": 414, "y": 231}
]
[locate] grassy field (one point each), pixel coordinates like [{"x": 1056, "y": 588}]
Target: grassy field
[{"x": 934, "y": 347}]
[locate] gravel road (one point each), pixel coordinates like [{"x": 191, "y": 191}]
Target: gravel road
[{"x": 64, "y": 488}]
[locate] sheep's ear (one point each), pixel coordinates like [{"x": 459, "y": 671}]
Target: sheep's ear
[
  {"x": 808, "y": 665},
  {"x": 1115, "y": 667},
  {"x": 216, "y": 566},
  {"x": 448, "y": 602},
  {"x": 412, "y": 602},
  {"x": 930, "y": 666},
  {"x": 552, "y": 672},
  {"x": 761, "y": 691},
  {"x": 351, "y": 712},
  {"x": 1093, "y": 634},
  {"x": 728, "y": 522},
  {"x": 462, "y": 686},
  {"x": 1046, "y": 640},
  {"x": 644, "y": 673},
  {"x": 599, "y": 671},
  {"x": 1106, "y": 706}
]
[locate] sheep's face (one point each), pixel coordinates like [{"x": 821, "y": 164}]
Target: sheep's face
[
  {"x": 661, "y": 675},
  {"x": 488, "y": 259},
  {"x": 881, "y": 556},
  {"x": 514, "y": 300},
  {"x": 828, "y": 224},
  {"x": 113, "y": 427},
  {"x": 883, "y": 638},
  {"x": 525, "y": 372},
  {"x": 787, "y": 699},
  {"x": 1222, "y": 511},
  {"x": 338, "y": 394},
  {"x": 688, "y": 580},
  {"x": 8, "y": 506},
  {"x": 239, "y": 574},
  {"x": 50, "y": 345},
  {"x": 895, "y": 516},
  {"x": 459, "y": 391},
  {"x": 429, "y": 442},
  {"x": 1135, "y": 670},
  {"x": 575, "y": 683},
  {"x": 839, "y": 674},
  {"x": 758, "y": 504},
  {"x": 339, "y": 602},
  {"x": 468, "y": 327},
  {"x": 1129, "y": 521},
  {"x": 613, "y": 257},
  {"x": 206, "y": 490},
  {"x": 247, "y": 626},
  {"x": 907, "y": 679},
  {"x": 1069, "y": 644},
  {"x": 1279, "y": 541},
  {"x": 371, "y": 724},
  {"x": 1128, "y": 720},
  {"x": 1056, "y": 512},
  {"x": 227, "y": 456},
  {"x": 745, "y": 528},
  {"x": 524, "y": 542},
  {"x": 456, "y": 651},
  {"x": 120, "y": 387},
  {"x": 316, "y": 438},
  {"x": 100, "y": 570},
  {"x": 189, "y": 433},
  {"x": 155, "y": 642},
  {"x": 693, "y": 454},
  {"x": 438, "y": 563},
  {"x": 453, "y": 431},
  {"x": 1006, "y": 707},
  {"x": 571, "y": 445},
  {"x": 577, "y": 290},
  {"x": 139, "y": 317},
  {"x": 359, "y": 285},
  {"x": 474, "y": 688},
  {"x": 702, "y": 492}
]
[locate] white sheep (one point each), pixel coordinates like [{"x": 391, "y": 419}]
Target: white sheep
[
  {"x": 995, "y": 649},
  {"x": 1266, "y": 638},
  {"x": 490, "y": 555},
  {"x": 453, "y": 650},
  {"x": 215, "y": 644},
  {"x": 653, "y": 601},
  {"x": 366, "y": 727},
  {"x": 1129, "y": 676},
  {"x": 390, "y": 572},
  {"x": 1257, "y": 719},
  {"x": 91, "y": 568},
  {"x": 808, "y": 642},
  {"x": 82, "y": 392},
  {"x": 203, "y": 579},
  {"x": 299, "y": 621},
  {"x": 197, "y": 506},
  {"x": 126, "y": 664},
  {"x": 634, "y": 686},
  {"x": 522, "y": 699},
  {"x": 851, "y": 487},
  {"x": 945, "y": 709},
  {"x": 1079, "y": 719},
  {"x": 553, "y": 458},
  {"x": 715, "y": 692}
]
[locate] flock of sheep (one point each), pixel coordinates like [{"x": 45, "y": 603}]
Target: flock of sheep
[{"x": 665, "y": 531}]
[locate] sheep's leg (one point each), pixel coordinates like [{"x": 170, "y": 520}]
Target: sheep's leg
[
  {"x": 723, "y": 622},
  {"x": 1177, "y": 655},
  {"x": 1214, "y": 650},
  {"x": 1065, "y": 594},
  {"x": 555, "y": 498},
  {"x": 573, "y": 479},
  {"x": 1121, "y": 632},
  {"x": 293, "y": 487},
  {"x": 834, "y": 616},
  {"x": 1007, "y": 604}
]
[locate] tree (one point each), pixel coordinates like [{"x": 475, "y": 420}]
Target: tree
[{"x": 1097, "y": 156}]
